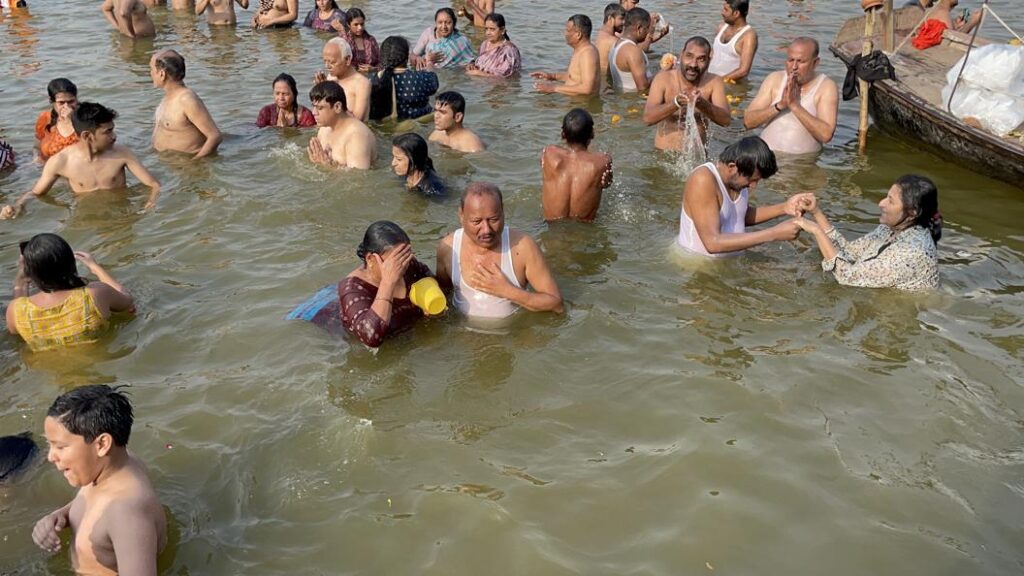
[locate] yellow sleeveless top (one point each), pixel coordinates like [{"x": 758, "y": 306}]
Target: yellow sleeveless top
[{"x": 74, "y": 321}]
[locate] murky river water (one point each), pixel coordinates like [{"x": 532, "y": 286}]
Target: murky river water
[{"x": 740, "y": 417}]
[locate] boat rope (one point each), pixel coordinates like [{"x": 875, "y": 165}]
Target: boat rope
[
  {"x": 986, "y": 8},
  {"x": 981, "y": 22}
]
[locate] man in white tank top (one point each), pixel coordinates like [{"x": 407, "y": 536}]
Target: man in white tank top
[
  {"x": 735, "y": 44},
  {"x": 627, "y": 63},
  {"x": 487, "y": 266},
  {"x": 716, "y": 208},
  {"x": 797, "y": 106}
]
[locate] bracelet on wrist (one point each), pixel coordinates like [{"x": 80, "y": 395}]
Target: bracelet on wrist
[{"x": 388, "y": 300}]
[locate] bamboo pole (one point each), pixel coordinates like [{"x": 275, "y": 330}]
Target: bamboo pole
[
  {"x": 862, "y": 130},
  {"x": 888, "y": 27}
]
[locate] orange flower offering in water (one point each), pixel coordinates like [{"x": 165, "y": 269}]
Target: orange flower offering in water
[{"x": 668, "y": 61}]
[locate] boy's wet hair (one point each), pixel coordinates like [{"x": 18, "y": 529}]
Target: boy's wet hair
[{"x": 90, "y": 411}]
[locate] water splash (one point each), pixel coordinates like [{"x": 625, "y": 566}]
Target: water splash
[{"x": 692, "y": 150}]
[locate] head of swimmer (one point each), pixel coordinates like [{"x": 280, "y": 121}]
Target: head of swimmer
[
  {"x": 94, "y": 124},
  {"x": 449, "y": 110},
  {"x": 167, "y": 67},
  {"x": 410, "y": 155},
  {"x": 629, "y": 4},
  {"x": 49, "y": 262},
  {"x": 577, "y": 29},
  {"x": 356, "y": 21},
  {"x": 695, "y": 59},
  {"x": 63, "y": 96},
  {"x": 616, "y": 14},
  {"x": 328, "y": 102},
  {"x": 746, "y": 162},
  {"x": 912, "y": 201},
  {"x": 802, "y": 59},
  {"x": 578, "y": 128},
  {"x": 380, "y": 240},
  {"x": 637, "y": 24},
  {"x": 337, "y": 54},
  {"x": 734, "y": 10},
  {"x": 85, "y": 429},
  {"x": 285, "y": 91},
  {"x": 444, "y": 23},
  {"x": 494, "y": 28},
  {"x": 482, "y": 214},
  {"x": 325, "y": 5}
]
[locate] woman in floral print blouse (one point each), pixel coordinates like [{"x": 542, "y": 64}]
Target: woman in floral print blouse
[{"x": 901, "y": 253}]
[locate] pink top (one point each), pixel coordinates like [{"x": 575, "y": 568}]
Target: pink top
[{"x": 501, "y": 60}]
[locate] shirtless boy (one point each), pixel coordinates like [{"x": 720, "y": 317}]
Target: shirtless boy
[
  {"x": 93, "y": 163},
  {"x": 118, "y": 525},
  {"x": 183, "y": 124},
  {"x": 220, "y": 12},
  {"x": 337, "y": 55},
  {"x": 129, "y": 17},
  {"x": 276, "y": 14},
  {"x": 342, "y": 140},
  {"x": 608, "y": 33},
  {"x": 582, "y": 78},
  {"x": 573, "y": 176},
  {"x": 672, "y": 90},
  {"x": 449, "y": 111}
]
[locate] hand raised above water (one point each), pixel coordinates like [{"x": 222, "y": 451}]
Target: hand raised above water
[
  {"x": 798, "y": 204},
  {"x": 46, "y": 533}
]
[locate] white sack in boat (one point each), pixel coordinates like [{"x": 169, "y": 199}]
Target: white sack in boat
[{"x": 991, "y": 88}]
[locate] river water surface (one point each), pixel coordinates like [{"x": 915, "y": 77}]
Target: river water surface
[{"x": 738, "y": 417}]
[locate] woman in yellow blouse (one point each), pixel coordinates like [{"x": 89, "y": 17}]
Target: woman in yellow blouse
[{"x": 66, "y": 310}]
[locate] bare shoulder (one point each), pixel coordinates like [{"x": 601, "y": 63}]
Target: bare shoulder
[
  {"x": 660, "y": 79},
  {"x": 699, "y": 180},
  {"x": 446, "y": 242},
  {"x": 522, "y": 243},
  {"x": 553, "y": 153}
]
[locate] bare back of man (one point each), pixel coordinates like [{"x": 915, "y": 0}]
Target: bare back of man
[
  {"x": 220, "y": 12},
  {"x": 670, "y": 87},
  {"x": 351, "y": 146},
  {"x": 573, "y": 182},
  {"x": 129, "y": 17},
  {"x": 174, "y": 130},
  {"x": 605, "y": 42}
]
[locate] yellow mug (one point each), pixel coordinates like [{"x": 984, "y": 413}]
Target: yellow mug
[{"x": 427, "y": 295}]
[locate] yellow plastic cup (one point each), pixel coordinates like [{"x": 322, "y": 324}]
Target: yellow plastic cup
[{"x": 427, "y": 295}]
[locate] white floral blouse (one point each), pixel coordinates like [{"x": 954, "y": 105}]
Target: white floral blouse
[{"x": 885, "y": 258}]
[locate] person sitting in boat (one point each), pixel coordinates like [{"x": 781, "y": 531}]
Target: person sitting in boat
[
  {"x": 940, "y": 19},
  {"x": 901, "y": 253},
  {"x": 797, "y": 106},
  {"x": 374, "y": 297}
]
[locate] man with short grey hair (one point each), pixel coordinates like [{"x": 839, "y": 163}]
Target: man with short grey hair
[{"x": 337, "y": 54}]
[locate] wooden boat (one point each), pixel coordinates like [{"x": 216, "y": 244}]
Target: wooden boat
[{"x": 912, "y": 104}]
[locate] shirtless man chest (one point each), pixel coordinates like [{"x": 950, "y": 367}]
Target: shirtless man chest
[
  {"x": 276, "y": 13},
  {"x": 172, "y": 129},
  {"x": 93, "y": 515},
  {"x": 580, "y": 73},
  {"x": 573, "y": 182},
  {"x": 353, "y": 146},
  {"x": 220, "y": 12},
  {"x": 129, "y": 17},
  {"x": 86, "y": 174},
  {"x": 667, "y": 102}
]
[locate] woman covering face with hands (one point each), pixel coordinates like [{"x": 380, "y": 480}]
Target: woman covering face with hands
[{"x": 374, "y": 297}]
